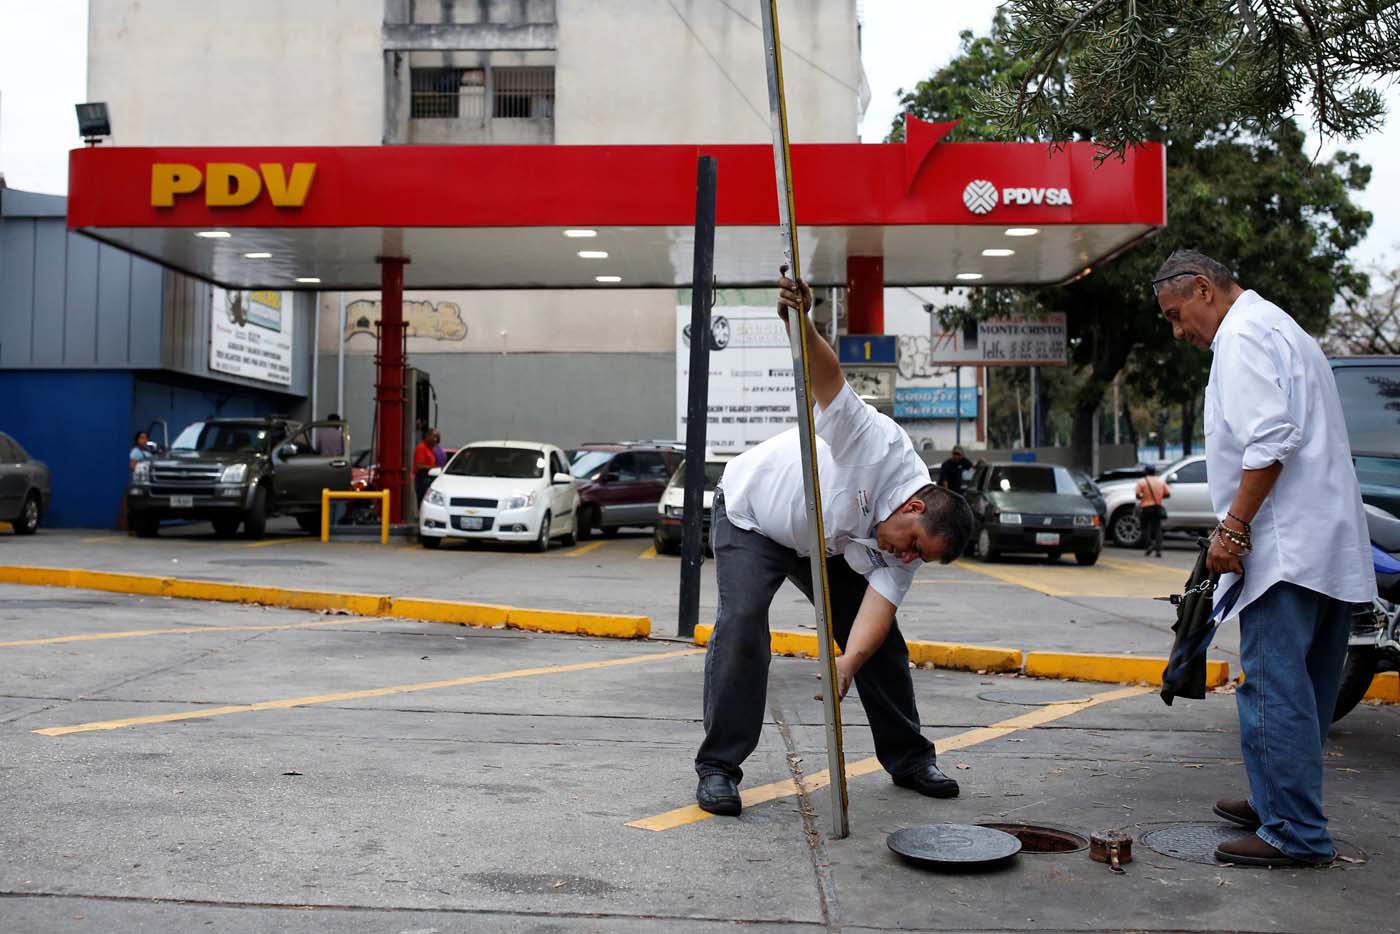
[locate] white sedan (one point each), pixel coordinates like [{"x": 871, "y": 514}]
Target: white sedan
[{"x": 505, "y": 491}]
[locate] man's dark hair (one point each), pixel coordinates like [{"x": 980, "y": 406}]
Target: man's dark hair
[
  {"x": 947, "y": 515},
  {"x": 1149, "y": 470},
  {"x": 137, "y": 437},
  {"x": 1171, "y": 275}
]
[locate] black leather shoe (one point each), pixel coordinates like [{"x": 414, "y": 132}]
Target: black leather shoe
[
  {"x": 718, "y": 794},
  {"x": 1237, "y": 812},
  {"x": 929, "y": 780}
]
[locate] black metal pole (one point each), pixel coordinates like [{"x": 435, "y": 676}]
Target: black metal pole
[{"x": 697, "y": 417}]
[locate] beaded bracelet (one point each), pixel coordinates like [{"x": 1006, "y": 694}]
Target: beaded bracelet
[{"x": 1239, "y": 520}]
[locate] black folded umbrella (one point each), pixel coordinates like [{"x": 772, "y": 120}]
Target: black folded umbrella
[{"x": 1196, "y": 622}]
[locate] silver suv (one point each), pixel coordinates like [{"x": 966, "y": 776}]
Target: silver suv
[{"x": 1188, "y": 508}]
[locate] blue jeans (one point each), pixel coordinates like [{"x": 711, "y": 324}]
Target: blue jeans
[
  {"x": 1293, "y": 643},
  {"x": 749, "y": 568}
]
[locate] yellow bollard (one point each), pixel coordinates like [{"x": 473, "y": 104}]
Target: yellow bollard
[{"x": 381, "y": 495}]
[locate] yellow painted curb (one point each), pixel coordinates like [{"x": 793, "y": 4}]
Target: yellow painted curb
[
  {"x": 358, "y": 604},
  {"x": 582, "y": 624},
  {"x": 1114, "y": 669},
  {"x": 1385, "y": 687},
  {"x": 489, "y": 615},
  {"x": 940, "y": 654}
]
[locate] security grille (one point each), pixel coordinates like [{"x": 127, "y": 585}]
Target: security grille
[
  {"x": 447, "y": 93},
  {"x": 522, "y": 93}
]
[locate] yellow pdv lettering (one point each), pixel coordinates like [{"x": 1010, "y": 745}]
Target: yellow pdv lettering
[
  {"x": 230, "y": 184},
  {"x": 284, "y": 191},
  {"x": 169, "y": 179}
]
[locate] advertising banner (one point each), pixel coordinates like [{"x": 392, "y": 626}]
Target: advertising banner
[
  {"x": 250, "y": 335},
  {"x": 1015, "y": 340},
  {"x": 751, "y": 390},
  {"x": 921, "y": 402}
]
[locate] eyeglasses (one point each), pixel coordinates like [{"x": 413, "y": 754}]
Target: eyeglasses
[{"x": 1173, "y": 275}]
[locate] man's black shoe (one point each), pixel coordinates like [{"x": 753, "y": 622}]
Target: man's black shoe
[
  {"x": 929, "y": 780},
  {"x": 718, "y": 794}
]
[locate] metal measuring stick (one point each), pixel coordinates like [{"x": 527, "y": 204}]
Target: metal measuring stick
[{"x": 797, "y": 334}]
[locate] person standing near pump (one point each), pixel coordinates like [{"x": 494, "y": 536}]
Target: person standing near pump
[
  {"x": 1151, "y": 492},
  {"x": 1292, "y": 537},
  {"x": 950, "y": 472},
  {"x": 882, "y": 518},
  {"x": 424, "y": 460}
]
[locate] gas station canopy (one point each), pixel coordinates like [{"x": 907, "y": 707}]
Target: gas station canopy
[{"x": 550, "y": 217}]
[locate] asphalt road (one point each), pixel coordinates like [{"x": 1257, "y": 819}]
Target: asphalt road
[{"x": 173, "y": 766}]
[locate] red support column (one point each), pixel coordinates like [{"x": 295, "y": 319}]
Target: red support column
[
  {"x": 865, "y": 295},
  {"x": 389, "y": 385}
]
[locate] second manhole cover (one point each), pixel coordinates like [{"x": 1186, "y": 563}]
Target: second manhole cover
[
  {"x": 1196, "y": 842},
  {"x": 1036, "y": 695}
]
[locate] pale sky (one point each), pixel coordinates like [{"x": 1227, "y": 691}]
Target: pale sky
[{"x": 43, "y": 74}]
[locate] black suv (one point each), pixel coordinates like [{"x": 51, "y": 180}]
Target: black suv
[
  {"x": 620, "y": 484},
  {"x": 239, "y": 471},
  {"x": 1370, "y": 391}
]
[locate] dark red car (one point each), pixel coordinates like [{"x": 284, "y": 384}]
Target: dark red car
[{"x": 620, "y": 484}]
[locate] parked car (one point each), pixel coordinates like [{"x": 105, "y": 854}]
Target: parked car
[
  {"x": 620, "y": 484},
  {"x": 1032, "y": 508},
  {"x": 235, "y": 471},
  {"x": 505, "y": 491},
  {"x": 1370, "y": 391},
  {"x": 1091, "y": 492},
  {"x": 671, "y": 510},
  {"x": 1188, "y": 509},
  {"x": 1135, "y": 472},
  {"x": 24, "y": 487}
]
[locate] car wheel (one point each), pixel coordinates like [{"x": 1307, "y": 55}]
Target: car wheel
[
  {"x": 255, "y": 521},
  {"x": 310, "y": 522},
  {"x": 1126, "y": 528},
  {"x": 542, "y": 541},
  {"x": 1087, "y": 558},
  {"x": 28, "y": 521},
  {"x": 225, "y": 526},
  {"x": 430, "y": 542},
  {"x": 985, "y": 551},
  {"x": 586, "y": 522}
]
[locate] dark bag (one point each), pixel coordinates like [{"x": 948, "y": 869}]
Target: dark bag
[{"x": 1196, "y": 622}]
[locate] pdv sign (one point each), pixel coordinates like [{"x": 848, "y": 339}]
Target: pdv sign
[
  {"x": 232, "y": 184},
  {"x": 981, "y": 196}
]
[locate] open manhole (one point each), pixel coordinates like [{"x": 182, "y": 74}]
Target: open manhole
[
  {"x": 1196, "y": 842},
  {"x": 1042, "y": 840}
]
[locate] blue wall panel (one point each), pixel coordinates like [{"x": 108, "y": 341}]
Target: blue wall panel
[{"x": 76, "y": 421}]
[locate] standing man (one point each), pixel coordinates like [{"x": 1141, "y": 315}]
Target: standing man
[
  {"x": 1291, "y": 522},
  {"x": 882, "y": 520},
  {"x": 1151, "y": 492},
  {"x": 950, "y": 472},
  {"x": 424, "y": 460}
]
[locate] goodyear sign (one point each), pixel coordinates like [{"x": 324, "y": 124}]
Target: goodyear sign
[{"x": 231, "y": 184}]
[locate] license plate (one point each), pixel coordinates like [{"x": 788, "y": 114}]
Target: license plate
[
  {"x": 1047, "y": 538},
  {"x": 472, "y": 523},
  {"x": 181, "y": 502}
]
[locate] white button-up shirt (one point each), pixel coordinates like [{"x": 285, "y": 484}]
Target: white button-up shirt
[
  {"x": 1272, "y": 397},
  {"x": 867, "y": 467}
]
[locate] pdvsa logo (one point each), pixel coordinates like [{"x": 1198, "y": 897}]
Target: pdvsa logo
[
  {"x": 232, "y": 184},
  {"x": 981, "y": 196}
]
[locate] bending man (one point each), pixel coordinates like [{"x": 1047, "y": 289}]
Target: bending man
[{"x": 882, "y": 519}]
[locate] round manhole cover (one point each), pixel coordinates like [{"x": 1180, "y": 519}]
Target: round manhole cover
[
  {"x": 1196, "y": 842},
  {"x": 267, "y": 563},
  {"x": 1037, "y": 695},
  {"x": 953, "y": 846}
]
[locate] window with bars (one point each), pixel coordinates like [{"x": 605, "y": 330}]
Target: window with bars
[
  {"x": 522, "y": 93},
  {"x": 449, "y": 93}
]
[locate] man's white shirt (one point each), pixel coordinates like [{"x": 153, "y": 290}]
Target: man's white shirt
[
  {"x": 1272, "y": 397},
  {"x": 867, "y": 468}
]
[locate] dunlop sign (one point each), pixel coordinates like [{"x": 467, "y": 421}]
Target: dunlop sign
[{"x": 231, "y": 184}]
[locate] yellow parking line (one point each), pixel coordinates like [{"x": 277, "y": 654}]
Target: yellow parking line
[
  {"x": 94, "y": 539},
  {"x": 1142, "y": 567},
  {"x": 275, "y": 541},
  {"x": 290, "y": 702},
  {"x": 186, "y": 631},
  {"x": 940, "y": 581},
  {"x": 1013, "y": 575},
  {"x": 648, "y": 554},
  {"x": 788, "y": 787},
  {"x": 584, "y": 549}
]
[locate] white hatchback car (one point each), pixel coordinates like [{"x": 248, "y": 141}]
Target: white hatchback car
[{"x": 505, "y": 491}]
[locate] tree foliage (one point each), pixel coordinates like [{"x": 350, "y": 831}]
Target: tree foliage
[
  {"x": 1256, "y": 202},
  {"x": 1132, "y": 67},
  {"x": 1369, "y": 324}
]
